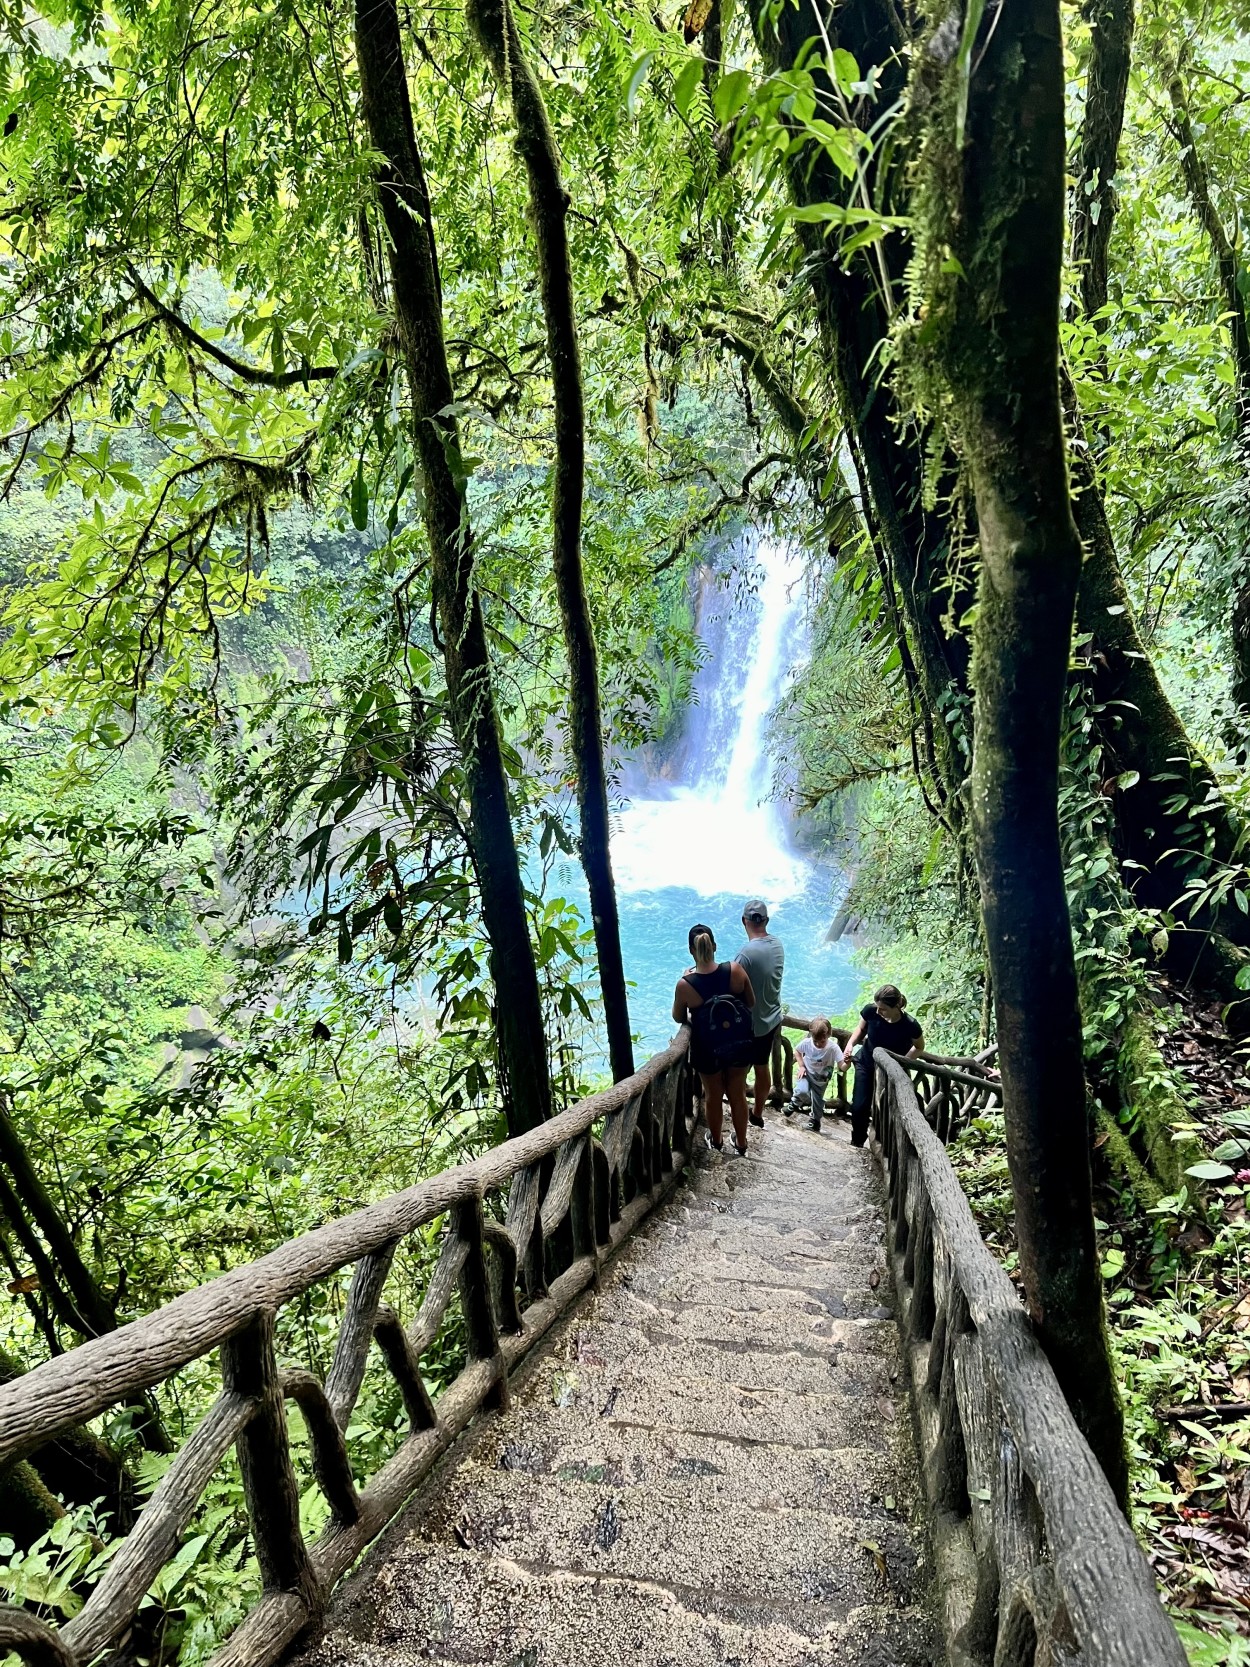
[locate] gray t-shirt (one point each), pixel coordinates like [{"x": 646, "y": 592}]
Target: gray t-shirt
[{"x": 764, "y": 960}]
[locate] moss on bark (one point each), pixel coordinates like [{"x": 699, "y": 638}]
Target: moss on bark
[
  {"x": 985, "y": 352},
  {"x": 495, "y": 27},
  {"x": 417, "y": 297}
]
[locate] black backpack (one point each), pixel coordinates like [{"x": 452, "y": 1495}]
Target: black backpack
[{"x": 728, "y": 1031}]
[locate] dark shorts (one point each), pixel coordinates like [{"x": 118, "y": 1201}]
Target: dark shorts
[{"x": 763, "y": 1050}]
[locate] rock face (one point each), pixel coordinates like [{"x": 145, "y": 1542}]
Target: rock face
[{"x": 710, "y": 1464}]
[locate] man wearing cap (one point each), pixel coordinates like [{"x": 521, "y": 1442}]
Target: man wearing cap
[{"x": 764, "y": 959}]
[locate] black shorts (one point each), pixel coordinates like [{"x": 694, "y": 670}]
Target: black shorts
[{"x": 763, "y": 1050}]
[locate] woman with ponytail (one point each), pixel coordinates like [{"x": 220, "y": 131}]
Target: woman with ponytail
[{"x": 713, "y": 998}]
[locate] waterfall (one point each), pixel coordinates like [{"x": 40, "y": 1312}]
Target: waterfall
[{"x": 721, "y": 833}]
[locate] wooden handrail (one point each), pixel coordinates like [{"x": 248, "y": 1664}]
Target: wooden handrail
[
  {"x": 97, "y": 1374},
  {"x": 514, "y": 1281},
  {"x": 1017, "y": 1496}
]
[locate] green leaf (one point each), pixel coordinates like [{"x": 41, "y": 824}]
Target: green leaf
[
  {"x": 973, "y": 14},
  {"x": 1202, "y": 1649},
  {"x": 636, "y": 80},
  {"x": 1207, "y": 1171},
  {"x": 687, "y": 84},
  {"x": 815, "y": 214},
  {"x": 732, "y": 92},
  {"x": 360, "y": 500},
  {"x": 845, "y": 70}
]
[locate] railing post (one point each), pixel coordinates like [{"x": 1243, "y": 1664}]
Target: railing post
[
  {"x": 950, "y": 1455},
  {"x": 906, "y": 1161},
  {"x": 405, "y": 1367},
  {"x": 351, "y": 1353},
  {"x": 525, "y": 1224},
  {"x": 664, "y": 1092},
  {"x": 603, "y": 1193},
  {"x": 479, "y": 1314},
  {"x": 582, "y": 1207},
  {"x": 249, "y": 1368},
  {"x": 640, "y": 1146},
  {"x": 503, "y": 1255},
  {"x": 920, "y": 1255},
  {"x": 676, "y": 1078}
]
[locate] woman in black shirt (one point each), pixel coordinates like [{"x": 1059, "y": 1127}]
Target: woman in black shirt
[
  {"x": 882, "y": 1025},
  {"x": 697, "y": 990}
]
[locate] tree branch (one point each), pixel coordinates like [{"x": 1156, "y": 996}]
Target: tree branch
[{"x": 239, "y": 367}]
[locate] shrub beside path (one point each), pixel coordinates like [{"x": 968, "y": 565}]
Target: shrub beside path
[{"x": 711, "y": 1462}]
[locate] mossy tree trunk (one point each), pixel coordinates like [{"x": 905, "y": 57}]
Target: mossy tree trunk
[
  {"x": 1157, "y": 771},
  {"x": 495, "y": 28},
  {"x": 71, "y": 1289},
  {"x": 417, "y": 296},
  {"x": 1094, "y": 202},
  {"x": 855, "y": 318},
  {"x": 1228, "y": 269},
  {"x": 74, "y": 1297},
  {"x": 77, "y": 1466},
  {"x": 996, "y": 195},
  {"x": 1157, "y": 841}
]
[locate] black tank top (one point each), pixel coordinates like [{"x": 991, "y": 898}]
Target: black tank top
[{"x": 718, "y": 982}]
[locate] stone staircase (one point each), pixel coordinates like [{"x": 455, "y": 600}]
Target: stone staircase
[{"x": 709, "y": 1463}]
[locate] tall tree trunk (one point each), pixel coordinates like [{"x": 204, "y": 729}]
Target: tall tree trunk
[
  {"x": 1198, "y": 185},
  {"x": 67, "y": 1284},
  {"x": 1142, "y": 735},
  {"x": 998, "y": 200},
  {"x": 65, "y": 1278},
  {"x": 1227, "y": 268},
  {"x": 1155, "y": 772},
  {"x": 1094, "y": 202},
  {"x": 855, "y": 319},
  {"x": 405, "y": 204},
  {"x": 493, "y": 24}
]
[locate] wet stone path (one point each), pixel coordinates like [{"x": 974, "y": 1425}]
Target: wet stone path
[{"x": 709, "y": 1463}]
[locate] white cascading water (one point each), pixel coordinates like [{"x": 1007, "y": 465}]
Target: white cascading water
[{"x": 723, "y": 833}]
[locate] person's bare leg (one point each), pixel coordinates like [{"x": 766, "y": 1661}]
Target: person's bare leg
[
  {"x": 763, "y": 1082},
  {"x": 714, "y": 1105},
  {"x": 737, "y": 1085}
]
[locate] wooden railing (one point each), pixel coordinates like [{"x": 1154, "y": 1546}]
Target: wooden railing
[
  {"x": 1035, "y": 1562},
  {"x": 574, "y": 1189}
]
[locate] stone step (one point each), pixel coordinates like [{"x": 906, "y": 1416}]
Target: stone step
[
  {"x": 792, "y": 1556},
  {"x": 810, "y": 1326},
  {"x": 854, "y": 1480},
  {"x": 852, "y": 1296},
  {"x": 715, "y": 1405},
  {"x": 446, "y": 1606},
  {"x": 709, "y": 1463},
  {"x": 762, "y": 1254},
  {"x": 868, "y": 1363}
]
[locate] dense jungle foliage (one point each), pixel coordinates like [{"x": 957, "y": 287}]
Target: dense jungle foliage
[{"x": 331, "y": 444}]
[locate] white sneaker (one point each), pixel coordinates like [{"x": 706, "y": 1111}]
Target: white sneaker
[{"x": 712, "y": 1145}]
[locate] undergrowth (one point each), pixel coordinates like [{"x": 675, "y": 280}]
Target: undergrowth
[{"x": 1179, "y": 1319}]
